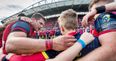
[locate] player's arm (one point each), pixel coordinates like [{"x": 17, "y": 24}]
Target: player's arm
[
  {"x": 19, "y": 43},
  {"x": 90, "y": 15},
  {"x": 106, "y": 52},
  {"x": 73, "y": 51},
  {"x": 110, "y": 6}
]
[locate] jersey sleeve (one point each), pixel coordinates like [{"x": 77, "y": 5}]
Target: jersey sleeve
[{"x": 21, "y": 26}]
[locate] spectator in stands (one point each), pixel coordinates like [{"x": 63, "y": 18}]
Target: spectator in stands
[
  {"x": 21, "y": 32},
  {"x": 42, "y": 34},
  {"x": 47, "y": 34},
  {"x": 105, "y": 25},
  {"x": 57, "y": 32},
  {"x": 68, "y": 25},
  {"x": 52, "y": 33}
]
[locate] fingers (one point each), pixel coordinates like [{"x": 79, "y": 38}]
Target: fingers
[
  {"x": 69, "y": 40},
  {"x": 70, "y": 44},
  {"x": 88, "y": 17},
  {"x": 84, "y": 21}
]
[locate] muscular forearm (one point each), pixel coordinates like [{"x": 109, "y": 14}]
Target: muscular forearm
[
  {"x": 103, "y": 53},
  {"x": 70, "y": 53},
  {"x": 22, "y": 45},
  {"x": 111, "y": 6}
]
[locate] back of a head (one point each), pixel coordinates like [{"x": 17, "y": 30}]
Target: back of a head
[
  {"x": 37, "y": 16},
  {"x": 68, "y": 19},
  {"x": 21, "y": 14},
  {"x": 97, "y": 1}
]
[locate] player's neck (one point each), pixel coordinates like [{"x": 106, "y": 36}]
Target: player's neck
[{"x": 69, "y": 31}]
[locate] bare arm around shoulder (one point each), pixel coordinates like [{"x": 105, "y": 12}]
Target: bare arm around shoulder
[
  {"x": 111, "y": 6},
  {"x": 107, "y": 52},
  {"x": 18, "y": 43},
  {"x": 73, "y": 51}
]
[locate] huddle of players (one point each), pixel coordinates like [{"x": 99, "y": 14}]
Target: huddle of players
[{"x": 19, "y": 39}]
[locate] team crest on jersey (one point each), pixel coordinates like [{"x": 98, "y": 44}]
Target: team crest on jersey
[{"x": 106, "y": 18}]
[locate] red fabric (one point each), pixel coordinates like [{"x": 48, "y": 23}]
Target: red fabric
[
  {"x": 95, "y": 33},
  {"x": 103, "y": 32},
  {"x": 52, "y": 32},
  {"x": 1, "y": 33},
  {"x": 81, "y": 31},
  {"x": 34, "y": 57},
  {"x": 20, "y": 29},
  {"x": 5, "y": 35},
  {"x": 0, "y": 43},
  {"x": 33, "y": 34},
  {"x": 42, "y": 33},
  {"x": 73, "y": 33}
]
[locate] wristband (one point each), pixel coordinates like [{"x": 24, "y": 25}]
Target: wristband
[
  {"x": 81, "y": 42},
  {"x": 100, "y": 9},
  {"x": 49, "y": 44}
]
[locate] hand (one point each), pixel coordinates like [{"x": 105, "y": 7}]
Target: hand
[
  {"x": 87, "y": 37},
  {"x": 63, "y": 42},
  {"x": 88, "y": 17}
]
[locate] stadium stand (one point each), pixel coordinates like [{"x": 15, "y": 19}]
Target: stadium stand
[{"x": 51, "y": 10}]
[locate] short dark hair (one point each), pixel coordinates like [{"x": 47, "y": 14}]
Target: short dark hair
[
  {"x": 38, "y": 16},
  {"x": 21, "y": 14}
]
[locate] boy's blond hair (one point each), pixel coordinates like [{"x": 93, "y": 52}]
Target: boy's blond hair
[{"x": 68, "y": 19}]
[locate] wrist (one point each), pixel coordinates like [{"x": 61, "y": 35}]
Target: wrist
[
  {"x": 49, "y": 44},
  {"x": 54, "y": 45},
  {"x": 83, "y": 44}
]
